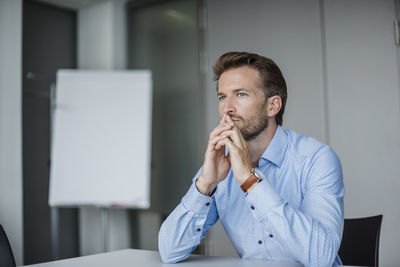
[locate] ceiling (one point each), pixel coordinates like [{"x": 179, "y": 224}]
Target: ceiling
[{"x": 72, "y": 4}]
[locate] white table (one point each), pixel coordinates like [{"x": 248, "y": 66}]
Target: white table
[{"x": 146, "y": 258}]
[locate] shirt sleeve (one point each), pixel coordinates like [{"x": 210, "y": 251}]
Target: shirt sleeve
[
  {"x": 311, "y": 232},
  {"x": 188, "y": 223}
]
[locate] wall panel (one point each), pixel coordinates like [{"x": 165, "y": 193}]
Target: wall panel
[{"x": 363, "y": 93}]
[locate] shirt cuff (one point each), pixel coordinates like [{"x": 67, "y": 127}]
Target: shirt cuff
[
  {"x": 196, "y": 202},
  {"x": 262, "y": 198}
]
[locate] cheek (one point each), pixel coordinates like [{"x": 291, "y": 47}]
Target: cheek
[{"x": 220, "y": 110}]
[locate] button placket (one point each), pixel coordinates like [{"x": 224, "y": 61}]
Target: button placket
[{"x": 266, "y": 244}]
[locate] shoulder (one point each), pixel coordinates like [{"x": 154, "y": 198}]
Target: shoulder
[
  {"x": 312, "y": 156},
  {"x": 306, "y": 146},
  {"x": 319, "y": 162}
]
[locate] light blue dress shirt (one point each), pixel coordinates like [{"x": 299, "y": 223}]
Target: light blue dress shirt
[{"x": 295, "y": 213}]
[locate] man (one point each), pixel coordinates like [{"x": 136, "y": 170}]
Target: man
[{"x": 278, "y": 194}]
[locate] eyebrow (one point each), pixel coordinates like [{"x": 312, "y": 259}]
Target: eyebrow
[{"x": 234, "y": 90}]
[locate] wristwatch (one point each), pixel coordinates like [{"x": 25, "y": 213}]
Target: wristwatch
[{"x": 253, "y": 178}]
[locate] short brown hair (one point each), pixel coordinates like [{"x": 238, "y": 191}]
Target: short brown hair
[{"x": 272, "y": 81}]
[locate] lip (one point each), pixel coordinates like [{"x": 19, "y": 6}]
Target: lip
[{"x": 235, "y": 121}]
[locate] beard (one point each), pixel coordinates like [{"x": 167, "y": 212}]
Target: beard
[{"x": 255, "y": 124}]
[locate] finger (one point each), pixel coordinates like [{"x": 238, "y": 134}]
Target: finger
[
  {"x": 227, "y": 143},
  {"x": 213, "y": 142},
  {"x": 228, "y": 118},
  {"x": 238, "y": 136},
  {"x": 223, "y": 119},
  {"x": 235, "y": 156},
  {"x": 220, "y": 143},
  {"x": 235, "y": 136},
  {"x": 236, "y": 128},
  {"x": 220, "y": 128}
]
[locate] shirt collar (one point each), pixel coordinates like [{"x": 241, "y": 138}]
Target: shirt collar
[{"x": 276, "y": 149}]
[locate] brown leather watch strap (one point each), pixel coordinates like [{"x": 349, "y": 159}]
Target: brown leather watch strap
[{"x": 250, "y": 181}]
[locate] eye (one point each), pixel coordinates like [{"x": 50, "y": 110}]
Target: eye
[
  {"x": 221, "y": 98},
  {"x": 242, "y": 94}
]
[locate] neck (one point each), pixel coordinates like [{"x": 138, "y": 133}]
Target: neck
[{"x": 258, "y": 145}]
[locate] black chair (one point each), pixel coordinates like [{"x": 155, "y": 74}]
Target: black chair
[
  {"x": 360, "y": 242},
  {"x": 6, "y": 255}
]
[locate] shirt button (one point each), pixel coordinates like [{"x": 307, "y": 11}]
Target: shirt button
[
  {"x": 252, "y": 207},
  {"x": 208, "y": 204},
  {"x": 270, "y": 235},
  {"x": 198, "y": 229},
  {"x": 259, "y": 242}
]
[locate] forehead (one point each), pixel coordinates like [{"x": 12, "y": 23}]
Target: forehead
[{"x": 243, "y": 77}]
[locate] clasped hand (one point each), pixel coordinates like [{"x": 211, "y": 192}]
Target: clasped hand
[{"x": 216, "y": 164}]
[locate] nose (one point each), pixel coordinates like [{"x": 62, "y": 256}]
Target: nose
[{"x": 228, "y": 106}]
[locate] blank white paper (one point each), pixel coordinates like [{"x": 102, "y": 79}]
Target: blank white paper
[{"x": 101, "y": 139}]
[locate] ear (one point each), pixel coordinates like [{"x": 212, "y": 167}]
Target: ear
[{"x": 274, "y": 105}]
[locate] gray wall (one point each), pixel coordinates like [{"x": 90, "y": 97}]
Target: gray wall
[
  {"x": 102, "y": 36},
  {"x": 364, "y": 111},
  {"x": 10, "y": 123},
  {"x": 340, "y": 62},
  {"x": 101, "y": 45}
]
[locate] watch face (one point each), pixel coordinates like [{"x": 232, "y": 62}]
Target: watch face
[{"x": 256, "y": 173}]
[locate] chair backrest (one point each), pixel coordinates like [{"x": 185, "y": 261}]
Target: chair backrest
[
  {"x": 360, "y": 242},
  {"x": 6, "y": 255}
]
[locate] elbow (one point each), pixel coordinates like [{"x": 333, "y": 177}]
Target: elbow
[
  {"x": 322, "y": 248},
  {"x": 327, "y": 253},
  {"x": 168, "y": 256},
  {"x": 169, "y": 253},
  {"x": 164, "y": 249},
  {"x": 164, "y": 253},
  {"x": 326, "y": 260},
  {"x": 333, "y": 249}
]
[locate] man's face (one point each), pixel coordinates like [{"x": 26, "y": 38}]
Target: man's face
[{"x": 241, "y": 97}]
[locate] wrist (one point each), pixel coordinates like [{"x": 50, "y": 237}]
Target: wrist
[
  {"x": 252, "y": 180},
  {"x": 251, "y": 187},
  {"x": 245, "y": 175},
  {"x": 204, "y": 187}
]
